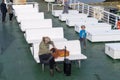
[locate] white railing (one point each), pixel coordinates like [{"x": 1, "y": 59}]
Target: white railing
[
  {"x": 51, "y": 6},
  {"x": 98, "y": 13}
]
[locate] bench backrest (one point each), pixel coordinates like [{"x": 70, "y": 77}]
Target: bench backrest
[
  {"x": 36, "y": 23},
  {"x": 25, "y": 11},
  {"x": 31, "y": 15},
  {"x": 81, "y": 19},
  {"x": 37, "y": 34},
  {"x": 58, "y": 12},
  {"x": 49, "y": 0},
  {"x": 26, "y": 6},
  {"x": 73, "y": 46},
  {"x": 104, "y": 32},
  {"x": 73, "y": 15},
  {"x": 27, "y": 17},
  {"x": 22, "y": 6}
]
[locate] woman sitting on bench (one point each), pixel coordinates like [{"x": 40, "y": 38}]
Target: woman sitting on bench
[{"x": 45, "y": 55}]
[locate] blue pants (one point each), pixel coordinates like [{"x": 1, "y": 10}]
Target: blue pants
[
  {"x": 47, "y": 58},
  {"x": 83, "y": 42}
]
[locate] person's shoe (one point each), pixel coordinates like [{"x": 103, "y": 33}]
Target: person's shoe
[
  {"x": 51, "y": 72},
  {"x": 58, "y": 69}
]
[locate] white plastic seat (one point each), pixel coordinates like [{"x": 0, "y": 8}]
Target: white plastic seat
[
  {"x": 103, "y": 35},
  {"x": 72, "y": 21},
  {"x": 35, "y": 35},
  {"x": 35, "y": 23},
  {"x": 56, "y": 13},
  {"x": 93, "y": 26},
  {"x": 113, "y": 50}
]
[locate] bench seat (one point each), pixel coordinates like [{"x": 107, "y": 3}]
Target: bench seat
[
  {"x": 103, "y": 35},
  {"x": 113, "y": 50}
]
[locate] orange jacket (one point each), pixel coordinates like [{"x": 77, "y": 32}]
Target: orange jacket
[{"x": 118, "y": 24}]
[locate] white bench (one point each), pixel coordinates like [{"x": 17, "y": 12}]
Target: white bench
[
  {"x": 94, "y": 26},
  {"x": 103, "y": 35},
  {"x": 73, "y": 46},
  {"x": 72, "y": 21},
  {"x": 113, "y": 50},
  {"x": 18, "y": 6},
  {"x": 35, "y": 23},
  {"x": 56, "y": 13},
  {"x": 49, "y": 0},
  {"x": 27, "y": 16},
  {"x": 35, "y": 35},
  {"x": 24, "y": 8},
  {"x": 63, "y": 17},
  {"x": 23, "y": 11}
]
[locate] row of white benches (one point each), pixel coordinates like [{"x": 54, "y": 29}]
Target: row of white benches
[
  {"x": 96, "y": 32},
  {"x": 35, "y": 27}
]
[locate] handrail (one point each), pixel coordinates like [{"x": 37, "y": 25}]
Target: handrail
[{"x": 59, "y": 5}]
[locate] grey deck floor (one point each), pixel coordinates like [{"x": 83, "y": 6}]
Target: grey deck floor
[{"x": 17, "y": 63}]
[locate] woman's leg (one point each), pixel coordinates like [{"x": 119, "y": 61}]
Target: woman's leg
[
  {"x": 10, "y": 16},
  {"x": 43, "y": 58},
  {"x": 51, "y": 61},
  {"x": 47, "y": 58}
]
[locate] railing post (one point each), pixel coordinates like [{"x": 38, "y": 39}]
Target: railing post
[
  {"x": 115, "y": 25},
  {"x": 78, "y": 8},
  {"x": 88, "y": 10},
  {"x": 74, "y": 4},
  {"x": 108, "y": 18},
  {"x": 48, "y": 6},
  {"x": 82, "y": 7},
  {"x": 52, "y": 7}
]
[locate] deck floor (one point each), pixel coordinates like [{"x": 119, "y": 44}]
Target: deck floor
[{"x": 17, "y": 63}]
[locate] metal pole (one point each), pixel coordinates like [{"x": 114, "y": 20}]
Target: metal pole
[
  {"x": 48, "y": 6},
  {"x": 52, "y": 7},
  {"x": 78, "y": 8}
]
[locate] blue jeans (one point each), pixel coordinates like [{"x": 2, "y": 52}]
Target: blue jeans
[
  {"x": 48, "y": 59},
  {"x": 83, "y": 42}
]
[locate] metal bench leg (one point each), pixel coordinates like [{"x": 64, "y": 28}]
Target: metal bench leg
[
  {"x": 79, "y": 63},
  {"x": 43, "y": 66}
]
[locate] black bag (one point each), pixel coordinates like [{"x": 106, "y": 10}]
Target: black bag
[{"x": 67, "y": 65}]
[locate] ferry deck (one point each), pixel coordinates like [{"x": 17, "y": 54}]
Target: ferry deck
[{"x": 17, "y": 63}]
